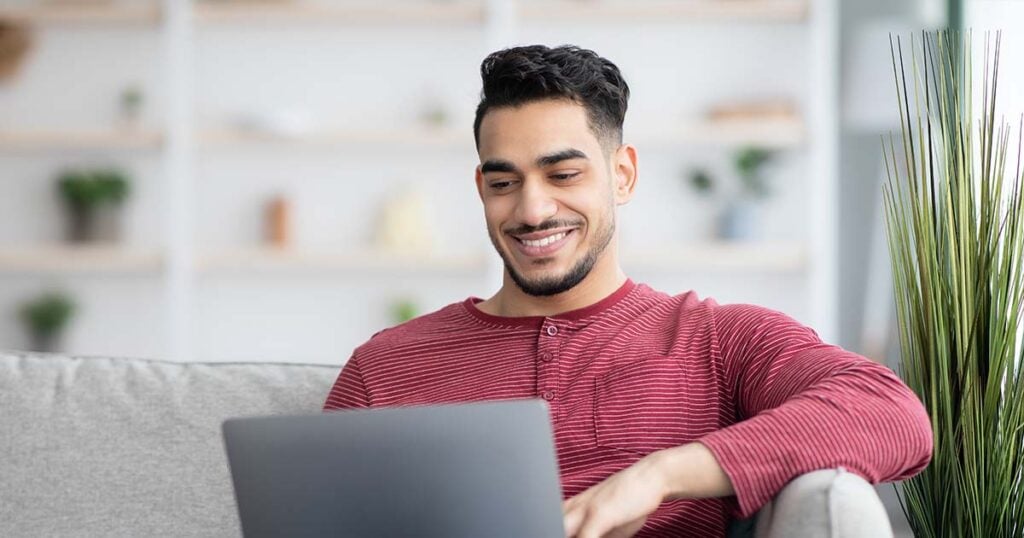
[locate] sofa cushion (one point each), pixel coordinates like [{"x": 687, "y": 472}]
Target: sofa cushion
[{"x": 128, "y": 447}]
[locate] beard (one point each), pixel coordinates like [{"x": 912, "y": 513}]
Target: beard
[{"x": 553, "y": 285}]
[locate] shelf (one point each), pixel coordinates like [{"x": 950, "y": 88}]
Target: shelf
[
  {"x": 90, "y": 140},
  {"x": 269, "y": 259},
  {"x": 426, "y": 137},
  {"x": 84, "y": 13},
  {"x": 78, "y": 259},
  {"x": 769, "y": 133},
  {"x": 742, "y": 257},
  {"x": 432, "y": 12},
  {"x": 718, "y": 256},
  {"x": 668, "y": 11},
  {"x": 363, "y": 12}
]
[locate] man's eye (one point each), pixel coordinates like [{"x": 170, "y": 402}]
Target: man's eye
[
  {"x": 563, "y": 177},
  {"x": 499, "y": 185}
]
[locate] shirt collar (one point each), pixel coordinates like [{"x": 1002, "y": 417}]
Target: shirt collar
[{"x": 580, "y": 314}]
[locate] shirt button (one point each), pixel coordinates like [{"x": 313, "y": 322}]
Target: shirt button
[
  {"x": 552, "y": 330},
  {"x": 546, "y": 357},
  {"x": 548, "y": 395}
]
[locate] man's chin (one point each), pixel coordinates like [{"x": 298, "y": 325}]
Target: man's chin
[
  {"x": 541, "y": 272},
  {"x": 544, "y": 283}
]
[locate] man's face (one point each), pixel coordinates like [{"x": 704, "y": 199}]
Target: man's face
[{"x": 548, "y": 193}]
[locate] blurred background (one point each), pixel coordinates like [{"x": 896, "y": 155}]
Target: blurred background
[{"x": 276, "y": 180}]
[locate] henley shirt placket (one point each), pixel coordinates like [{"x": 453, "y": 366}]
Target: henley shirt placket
[{"x": 548, "y": 343}]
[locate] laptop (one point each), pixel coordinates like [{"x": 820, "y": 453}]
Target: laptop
[{"x": 454, "y": 470}]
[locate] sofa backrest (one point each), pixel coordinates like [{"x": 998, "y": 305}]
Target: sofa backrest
[{"x": 95, "y": 446}]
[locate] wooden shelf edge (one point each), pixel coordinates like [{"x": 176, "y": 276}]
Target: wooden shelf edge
[
  {"x": 79, "y": 259},
  {"x": 83, "y": 139},
  {"x": 355, "y": 13},
  {"x": 276, "y": 260},
  {"x": 768, "y": 133},
  {"x": 772, "y": 133},
  {"x": 724, "y": 255},
  {"x": 83, "y": 14},
  {"x": 668, "y": 10},
  {"x": 225, "y": 138}
]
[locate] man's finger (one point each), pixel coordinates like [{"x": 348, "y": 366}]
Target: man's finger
[
  {"x": 592, "y": 528},
  {"x": 572, "y": 521},
  {"x": 576, "y": 500},
  {"x": 627, "y": 530}
]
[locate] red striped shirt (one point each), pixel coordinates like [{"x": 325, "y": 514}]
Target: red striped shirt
[{"x": 641, "y": 371}]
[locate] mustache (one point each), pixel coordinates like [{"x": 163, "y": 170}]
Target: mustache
[{"x": 546, "y": 225}]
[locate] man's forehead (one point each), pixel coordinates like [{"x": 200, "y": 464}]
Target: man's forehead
[{"x": 532, "y": 131}]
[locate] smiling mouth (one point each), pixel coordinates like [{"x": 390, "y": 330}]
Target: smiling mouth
[
  {"x": 540, "y": 245},
  {"x": 545, "y": 241}
]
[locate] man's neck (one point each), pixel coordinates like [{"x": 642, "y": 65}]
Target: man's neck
[{"x": 511, "y": 301}]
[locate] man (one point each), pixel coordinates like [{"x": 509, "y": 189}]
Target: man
[{"x": 670, "y": 414}]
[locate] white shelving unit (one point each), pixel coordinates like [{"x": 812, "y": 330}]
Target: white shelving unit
[{"x": 181, "y": 145}]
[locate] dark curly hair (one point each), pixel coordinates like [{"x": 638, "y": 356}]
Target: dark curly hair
[{"x": 521, "y": 75}]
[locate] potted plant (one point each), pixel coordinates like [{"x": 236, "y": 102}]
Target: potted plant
[
  {"x": 739, "y": 218},
  {"x": 955, "y": 221},
  {"x": 45, "y": 318},
  {"x": 93, "y": 199}
]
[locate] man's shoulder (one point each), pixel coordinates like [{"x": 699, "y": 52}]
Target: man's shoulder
[
  {"x": 435, "y": 327},
  {"x": 689, "y": 303},
  {"x": 681, "y": 305}
]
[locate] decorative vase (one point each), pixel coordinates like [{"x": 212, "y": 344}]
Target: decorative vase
[
  {"x": 740, "y": 220},
  {"x": 278, "y": 222},
  {"x": 15, "y": 42},
  {"x": 100, "y": 224},
  {"x": 46, "y": 341}
]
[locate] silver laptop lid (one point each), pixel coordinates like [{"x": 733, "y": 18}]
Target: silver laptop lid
[{"x": 459, "y": 470}]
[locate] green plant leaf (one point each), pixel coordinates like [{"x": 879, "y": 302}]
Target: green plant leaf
[{"x": 955, "y": 227}]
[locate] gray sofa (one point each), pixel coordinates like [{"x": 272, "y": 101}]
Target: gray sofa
[{"x": 128, "y": 447}]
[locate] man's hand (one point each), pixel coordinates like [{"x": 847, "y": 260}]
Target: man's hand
[{"x": 618, "y": 506}]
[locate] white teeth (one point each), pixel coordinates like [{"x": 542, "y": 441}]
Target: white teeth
[{"x": 544, "y": 242}]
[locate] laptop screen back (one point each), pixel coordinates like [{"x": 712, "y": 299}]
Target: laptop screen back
[{"x": 460, "y": 470}]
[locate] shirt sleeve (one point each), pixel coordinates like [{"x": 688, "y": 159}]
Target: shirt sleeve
[
  {"x": 349, "y": 391},
  {"x": 803, "y": 405}
]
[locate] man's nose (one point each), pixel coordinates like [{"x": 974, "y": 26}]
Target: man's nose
[{"x": 536, "y": 205}]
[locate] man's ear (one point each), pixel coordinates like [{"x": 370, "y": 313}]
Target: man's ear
[
  {"x": 625, "y": 173},
  {"x": 479, "y": 183}
]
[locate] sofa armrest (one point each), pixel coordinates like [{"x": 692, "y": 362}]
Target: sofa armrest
[{"x": 832, "y": 503}]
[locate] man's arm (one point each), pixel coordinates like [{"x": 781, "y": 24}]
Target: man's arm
[
  {"x": 349, "y": 391},
  {"x": 806, "y": 405}
]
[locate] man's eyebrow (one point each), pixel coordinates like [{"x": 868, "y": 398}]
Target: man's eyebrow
[
  {"x": 501, "y": 165},
  {"x": 497, "y": 165},
  {"x": 557, "y": 157}
]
